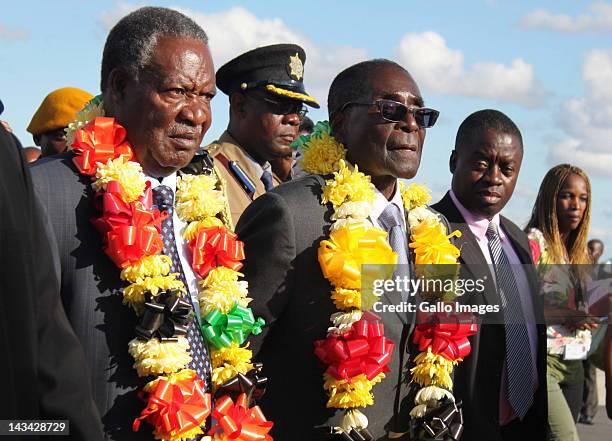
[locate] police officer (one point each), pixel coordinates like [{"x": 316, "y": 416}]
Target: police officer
[{"x": 267, "y": 96}]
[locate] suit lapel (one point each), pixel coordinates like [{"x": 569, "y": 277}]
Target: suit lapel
[{"x": 471, "y": 258}]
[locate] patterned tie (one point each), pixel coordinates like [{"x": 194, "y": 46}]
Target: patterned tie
[
  {"x": 518, "y": 349},
  {"x": 266, "y": 178},
  {"x": 391, "y": 221},
  {"x": 163, "y": 197}
]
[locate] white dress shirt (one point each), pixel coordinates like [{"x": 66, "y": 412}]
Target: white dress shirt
[
  {"x": 181, "y": 245},
  {"x": 381, "y": 202}
]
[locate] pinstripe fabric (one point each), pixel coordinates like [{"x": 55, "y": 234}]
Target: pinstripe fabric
[
  {"x": 518, "y": 358},
  {"x": 90, "y": 291}
]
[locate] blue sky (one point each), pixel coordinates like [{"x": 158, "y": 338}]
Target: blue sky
[{"x": 546, "y": 64}]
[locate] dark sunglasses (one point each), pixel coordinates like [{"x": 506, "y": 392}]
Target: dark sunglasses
[
  {"x": 393, "y": 111},
  {"x": 285, "y": 107}
]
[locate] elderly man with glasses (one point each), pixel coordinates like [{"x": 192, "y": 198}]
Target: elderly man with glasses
[
  {"x": 376, "y": 112},
  {"x": 267, "y": 96}
]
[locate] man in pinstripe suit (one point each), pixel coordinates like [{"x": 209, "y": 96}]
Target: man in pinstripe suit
[
  {"x": 157, "y": 81},
  {"x": 485, "y": 166}
]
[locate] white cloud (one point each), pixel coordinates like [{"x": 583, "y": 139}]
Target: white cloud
[
  {"x": 525, "y": 191},
  {"x": 442, "y": 70},
  {"x": 576, "y": 152},
  {"x": 587, "y": 121},
  {"x": 604, "y": 234},
  {"x": 12, "y": 34},
  {"x": 237, "y": 30},
  {"x": 597, "y": 72},
  {"x": 108, "y": 18},
  {"x": 598, "y": 18}
]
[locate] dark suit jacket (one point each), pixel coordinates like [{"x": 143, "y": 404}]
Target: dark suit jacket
[
  {"x": 90, "y": 290},
  {"x": 282, "y": 230},
  {"x": 478, "y": 378},
  {"x": 43, "y": 370}
]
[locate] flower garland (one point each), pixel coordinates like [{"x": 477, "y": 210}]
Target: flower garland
[
  {"x": 355, "y": 349},
  {"x": 177, "y": 405}
]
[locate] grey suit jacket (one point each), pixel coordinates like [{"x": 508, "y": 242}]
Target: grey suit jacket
[
  {"x": 282, "y": 230},
  {"x": 90, "y": 290}
]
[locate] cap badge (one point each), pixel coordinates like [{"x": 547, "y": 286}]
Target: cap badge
[{"x": 296, "y": 66}]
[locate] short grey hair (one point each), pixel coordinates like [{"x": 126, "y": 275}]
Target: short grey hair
[
  {"x": 131, "y": 41},
  {"x": 353, "y": 83}
]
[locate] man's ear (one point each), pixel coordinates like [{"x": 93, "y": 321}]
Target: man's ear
[
  {"x": 116, "y": 84},
  {"x": 452, "y": 162},
  {"x": 336, "y": 121},
  {"x": 238, "y": 103}
]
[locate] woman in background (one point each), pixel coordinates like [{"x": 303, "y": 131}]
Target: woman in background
[{"x": 558, "y": 231}]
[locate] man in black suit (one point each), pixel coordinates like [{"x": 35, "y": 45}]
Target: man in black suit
[
  {"x": 43, "y": 372},
  {"x": 372, "y": 108},
  {"x": 157, "y": 81},
  {"x": 503, "y": 382}
]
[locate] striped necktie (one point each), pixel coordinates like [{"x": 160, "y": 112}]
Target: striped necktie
[
  {"x": 391, "y": 221},
  {"x": 163, "y": 198},
  {"x": 518, "y": 349}
]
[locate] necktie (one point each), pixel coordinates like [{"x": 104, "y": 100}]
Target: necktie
[
  {"x": 163, "y": 197},
  {"x": 391, "y": 221},
  {"x": 266, "y": 178},
  {"x": 518, "y": 350}
]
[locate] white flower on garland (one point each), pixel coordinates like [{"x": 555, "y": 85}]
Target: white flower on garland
[
  {"x": 428, "y": 398},
  {"x": 418, "y": 411},
  {"x": 128, "y": 173},
  {"x": 354, "y": 210},
  {"x": 341, "y": 223},
  {"x": 343, "y": 321},
  {"x": 92, "y": 109},
  {"x": 419, "y": 214},
  {"x": 353, "y": 419},
  {"x": 430, "y": 395},
  {"x": 153, "y": 357}
]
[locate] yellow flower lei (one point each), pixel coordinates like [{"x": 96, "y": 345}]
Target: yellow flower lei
[
  {"x": 351, "y": 192},
  {"x": 201, "y": 203}
]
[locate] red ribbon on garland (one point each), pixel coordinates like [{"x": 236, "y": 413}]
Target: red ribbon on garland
[
  {"x": 238, "y": 422},
  {"x": 175, "y": 408},
  {"x": 98, "y": 141},
  {"x": 364, "y": 349},
  {"x": 132, "y": 230},
  {"x": 446, "y": 333},
  {"x": 213, "y": 247}
]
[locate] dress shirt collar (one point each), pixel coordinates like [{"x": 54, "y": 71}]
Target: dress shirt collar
[
  {"x": 169, "y": 181},
  {"x": 478, "y": 224},
  {"x": 381, "y": 202}
]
